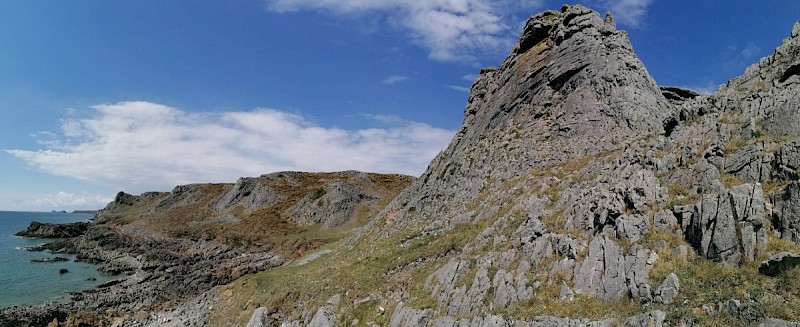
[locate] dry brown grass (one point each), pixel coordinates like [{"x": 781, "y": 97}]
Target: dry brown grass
[
  {"x": 730, "y": 180},
  {"x": 371, "y": 268},
  {"x": 266, "y": 229}
]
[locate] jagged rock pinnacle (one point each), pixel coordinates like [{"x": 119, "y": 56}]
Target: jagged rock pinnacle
[{"x": 570, "y": 87}]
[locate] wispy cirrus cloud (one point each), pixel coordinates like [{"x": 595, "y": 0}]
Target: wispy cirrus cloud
[
  {"x": 141, "y": 146},
  {"x": 394, "y": 79},
  {"x": 628, "y": 12},
  {"x": 458, "y": 88},
  {"x": 452, "y": 30},
  {"x": 750, "y": 51},
  {"x": 705, "y": 86},
  {"x": 469, "y": 77}
]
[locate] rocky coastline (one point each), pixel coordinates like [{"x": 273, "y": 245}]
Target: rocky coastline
[
  {"x": 47, "y": 230},
  {"x": 153, "y": 273},
  {"x": 170, "y": 250}
]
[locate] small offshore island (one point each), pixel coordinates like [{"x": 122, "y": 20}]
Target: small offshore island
[{"x": 577, "y": 193}]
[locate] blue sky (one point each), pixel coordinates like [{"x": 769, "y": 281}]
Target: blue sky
[{"x": 102, "y": 96}]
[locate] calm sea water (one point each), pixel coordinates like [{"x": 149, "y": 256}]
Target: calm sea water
[{"x": 24, "y": 282}]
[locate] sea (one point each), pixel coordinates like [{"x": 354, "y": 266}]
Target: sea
[{"x": 23, "y": 282}]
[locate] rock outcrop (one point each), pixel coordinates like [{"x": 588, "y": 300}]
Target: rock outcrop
[
  {"x": 255, "y": 212},
  {"x": 45, "y": 230},
  {"x": 729, "y": 227},
  {"x": 576, "y": 176},
  {"x": 778, "y": 263}
]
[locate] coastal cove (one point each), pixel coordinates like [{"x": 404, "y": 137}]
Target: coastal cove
[{"x": 25, "y": 282}]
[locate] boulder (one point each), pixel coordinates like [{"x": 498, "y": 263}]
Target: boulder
[
  {"x": 666, "y": 292},
  {"x": 258, "y": 319},
  {"x": 325, "y": 317},
  {"x": 566, "y": 293},
  {"x": 782, "y": 261},
  {"x": 653, "y": 318}
]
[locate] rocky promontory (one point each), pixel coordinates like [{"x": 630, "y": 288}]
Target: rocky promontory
[{"x": 47, "y": 230}]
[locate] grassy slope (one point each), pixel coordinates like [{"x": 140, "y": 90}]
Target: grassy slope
[
  {"x": 377, "y": 266},
  {"x": 266, "y": 229}
]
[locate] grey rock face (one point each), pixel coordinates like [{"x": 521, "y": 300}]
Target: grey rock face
[
  {"x": 667, "y": 291},
  {"x": 772, "y": 322},
  {"x": 729, "y": 226},
  {"x": 786, "y": 212},
  {"x": 332, "y": 205},
  {"x": 609, "y": 273},
  {"x": 566, "y": 293},
  {"x": 505, "y": 291},
  {"x": 782, "y": 261},
  {"x": 250, "y": 192},
  {"x": 325, "y": 317},
  {"x": 412, "y": 317},
  {"x": 442, "y": 282},
  {"x": 45, "y": 230},
  {"x": 649, "y": 319},
  {"x": 751, "y": 163},
  {"x": 665, "y": 221},
  {"x": 258, "y": 318},
  {"x": 195, "y": 312},
  {"x": 570, "y": 138},
  {"x": 744, "y": 312},
  {"x": 181, "y": 196},
  {"x": 571, "y": 82},
  {"x": 405, "y": 316}
]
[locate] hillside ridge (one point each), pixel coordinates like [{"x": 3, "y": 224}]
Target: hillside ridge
[{"x": 579, "y": 192}]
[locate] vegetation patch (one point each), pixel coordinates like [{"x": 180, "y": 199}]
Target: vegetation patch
[
  {"x": 369, "y": 269},
  {"x": 730, "y": 180},
  {"x": 545, "y": 303}
]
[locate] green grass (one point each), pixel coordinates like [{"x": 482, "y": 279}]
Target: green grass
[
  {"x": 703, "y": 281},
  {"x": 370, "y": 268}
]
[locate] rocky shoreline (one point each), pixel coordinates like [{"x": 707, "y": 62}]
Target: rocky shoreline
[
  {"x": 46, "y": 230},
  {"x": 155, "y": 272}
]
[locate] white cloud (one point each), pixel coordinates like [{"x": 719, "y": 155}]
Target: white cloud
[
  {"x": 142, "y": 146},
  {"x": 394, "y": 79},
  {"x": 750, "y": 51},
  {"x": 458, "y": 88},
  {"x": 706, "y": 87},
  {"x": 628, "y": 12},
  {"x": 469, "y": 77},
  {"x": 452, "y": 30},
  {"x": 66, "y": 201},
  {"x": 387, "y": 119}
]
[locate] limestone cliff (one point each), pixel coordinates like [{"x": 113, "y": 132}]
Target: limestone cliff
[{"x": 578, "y": 188}]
